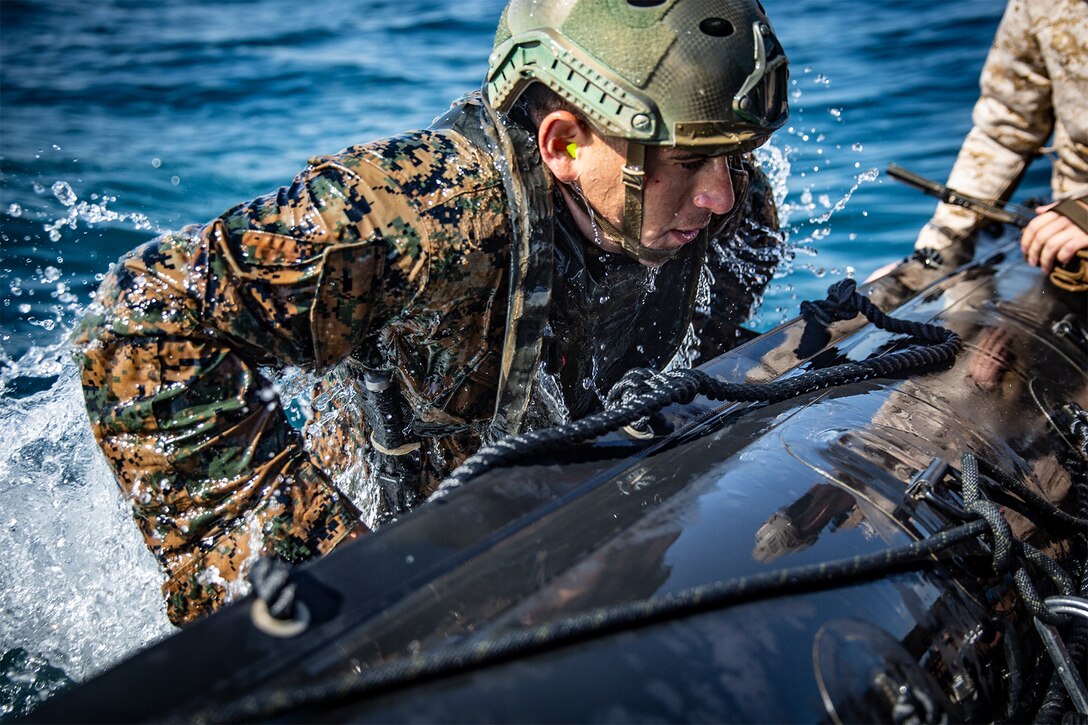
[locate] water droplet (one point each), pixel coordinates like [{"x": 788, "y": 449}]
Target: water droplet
[
  {"x": 15, "y": 210},
  {"x": 175, "y": 180},
  {"x": 64, "y": 194},
  {"x": 156, "y": 162}
]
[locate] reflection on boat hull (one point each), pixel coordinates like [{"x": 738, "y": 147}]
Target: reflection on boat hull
[{"x": 732, "y": 491}]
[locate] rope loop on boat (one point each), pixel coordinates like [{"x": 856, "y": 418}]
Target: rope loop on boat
[
  {"x": 1004, "y": 545},
  {"x": 276, "y": 610},
  {"x": 643, "y": 395}
]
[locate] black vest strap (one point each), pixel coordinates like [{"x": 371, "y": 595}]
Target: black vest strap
[{"x": 529, "y": 195}]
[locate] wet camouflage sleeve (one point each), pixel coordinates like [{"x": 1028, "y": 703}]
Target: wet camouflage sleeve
[
  {"x": 1034, "y": 83},
  {"x": 172, "y": 353}
]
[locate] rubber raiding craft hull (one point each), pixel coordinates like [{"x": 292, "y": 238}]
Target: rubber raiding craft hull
[{"x": 724, "y": 493}]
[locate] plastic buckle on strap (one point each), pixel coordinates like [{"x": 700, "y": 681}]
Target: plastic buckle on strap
[{"x": 633, "y": 177}]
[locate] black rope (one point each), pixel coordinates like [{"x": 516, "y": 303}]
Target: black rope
[
  {"x": 1006, "y": 552},
  {"x": 1055, "y": 707},
  {"x": 1079, "y": 428},
  {"x": 593, "y": 624},
  {"x": 840, "y": 304},
  {"x": 681, "y": 386},
  {"x": 1054, "y": 517},
  {"x": 1005, "y": 545}
]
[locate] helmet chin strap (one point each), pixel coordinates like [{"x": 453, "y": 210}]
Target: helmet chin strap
[
  {"x": 629, "y": 238},
  {"x": 634, "y": 179}
]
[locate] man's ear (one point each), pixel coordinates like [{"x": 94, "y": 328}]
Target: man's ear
[{"x": 555, "y": 134}]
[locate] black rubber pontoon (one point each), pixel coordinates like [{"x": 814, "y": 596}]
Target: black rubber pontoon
[{"x": 726, "y": 516}]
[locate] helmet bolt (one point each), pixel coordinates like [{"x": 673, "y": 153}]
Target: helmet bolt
[
  {"x": 746, "y": 103},
  {"x": 764, "y": 29},
  {"x": 640, "y": 121}
]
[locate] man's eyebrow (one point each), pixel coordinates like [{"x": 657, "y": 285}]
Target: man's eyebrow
[{"x": 679, "y": 153}]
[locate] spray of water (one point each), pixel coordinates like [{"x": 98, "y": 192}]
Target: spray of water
[
  {"x": 806, "y": 215},
  {"x": 78, "y": 588}
]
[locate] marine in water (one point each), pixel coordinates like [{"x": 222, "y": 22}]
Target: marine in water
[{"x": 494, "y": 273}]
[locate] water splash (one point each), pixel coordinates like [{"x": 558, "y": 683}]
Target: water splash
[
  {"x": 807, "y": 212},
  {"x": 549, "y": 394},
  {"x": 78, "y": 587},
  {"x": 95, "y": 211},
  {"x": 825, "y": 200}
]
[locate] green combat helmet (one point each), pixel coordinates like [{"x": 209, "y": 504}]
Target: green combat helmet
[{"x": 703, "y": 74}]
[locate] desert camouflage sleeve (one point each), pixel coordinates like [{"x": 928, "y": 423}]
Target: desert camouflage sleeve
[{"x": 1033, "y": 84}]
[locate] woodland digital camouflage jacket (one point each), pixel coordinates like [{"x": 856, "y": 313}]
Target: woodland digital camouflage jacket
[{"x": 395, "y": 251}]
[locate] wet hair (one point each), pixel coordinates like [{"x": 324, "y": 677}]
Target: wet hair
[{"x": 537, "y": 101}]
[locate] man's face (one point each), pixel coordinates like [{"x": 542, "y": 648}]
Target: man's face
[{"x": 683, "y": 190}]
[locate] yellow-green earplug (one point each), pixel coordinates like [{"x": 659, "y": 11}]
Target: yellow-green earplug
[{"x": 572, "y": 149}]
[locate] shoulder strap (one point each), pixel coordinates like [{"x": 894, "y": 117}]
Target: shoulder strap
[{"x": 529, "y": 195}]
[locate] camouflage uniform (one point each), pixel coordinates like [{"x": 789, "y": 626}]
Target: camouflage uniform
[
  {"x": 1034, "y": 83},
  {"x": 397, "y": 253}
]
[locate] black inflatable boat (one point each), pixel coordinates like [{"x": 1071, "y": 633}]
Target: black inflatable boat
[{"x": 833, "y": 557}]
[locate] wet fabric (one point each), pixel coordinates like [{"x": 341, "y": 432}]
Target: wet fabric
[
  {"x": 1034, "y": 85},
  {"x": 612, "y": 314},
  {"x": 393, "y": 254},
  {"x": 391, "y": 249}
]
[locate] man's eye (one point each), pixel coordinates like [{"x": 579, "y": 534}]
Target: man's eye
[{"x": 693, "y": 164}]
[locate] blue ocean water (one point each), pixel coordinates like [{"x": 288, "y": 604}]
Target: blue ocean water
[{"x": 120, "y": 119}]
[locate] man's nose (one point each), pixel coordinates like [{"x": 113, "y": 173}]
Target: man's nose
[{"x": 714, "y": 187}]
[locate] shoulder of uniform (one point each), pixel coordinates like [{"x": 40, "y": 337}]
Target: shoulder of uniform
[{"x": 429, "y": 166}]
